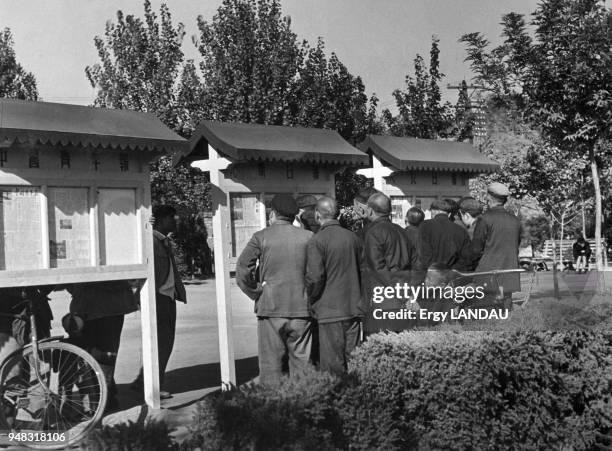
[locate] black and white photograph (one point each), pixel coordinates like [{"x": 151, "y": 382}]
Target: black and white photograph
[{"x": 306, "y": 224}]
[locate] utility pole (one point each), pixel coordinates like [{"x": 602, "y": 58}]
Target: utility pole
[{"x": 476, "y": 107}]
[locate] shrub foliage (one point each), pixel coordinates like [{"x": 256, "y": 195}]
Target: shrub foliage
[{"x": 431, "y": 390}]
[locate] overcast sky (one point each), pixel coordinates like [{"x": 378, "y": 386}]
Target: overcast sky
[{"x": 377, "y": 39}]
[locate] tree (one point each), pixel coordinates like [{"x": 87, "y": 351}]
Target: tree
[
  {"x": 560, "y": 80},
  {"x": 255, "y": 70},
  {"x": 421, "y": 112},
  {"x": 15, "y": 82},
  {"x": 140, "y": 63},
  {"x": 251, "y": 59},
  {"x": 141, "y": 68}
]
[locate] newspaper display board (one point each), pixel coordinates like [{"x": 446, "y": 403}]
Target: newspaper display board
[
  {"x": 69, "y": 230},
  {"x": 20, "y": 228}
]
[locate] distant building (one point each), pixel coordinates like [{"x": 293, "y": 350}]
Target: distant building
[{"x": 414, "y": 172}]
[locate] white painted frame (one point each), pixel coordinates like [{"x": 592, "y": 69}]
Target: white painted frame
[{"x": 95, "y": 273}]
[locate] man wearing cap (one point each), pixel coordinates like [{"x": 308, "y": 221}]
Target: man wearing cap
[
  {"x": 495, "y": 245},
  {"x": 442, "y": 242},
  {"x": 270, "y": 270},
  {"x": 333, "y": 284},
  {"x": 306, "y": 216},
  {"x": 388, "y": 251},
  {"x": 469, "y": 211}
]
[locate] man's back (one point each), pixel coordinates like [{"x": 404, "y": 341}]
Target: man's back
[
  {"x": 497, "y": 236},
  {"x": 277, "y": 285},
  {"x": 333, "y": 280},
  {"x": 388, "y": 248},
  {"x": 444, "y": 242}
]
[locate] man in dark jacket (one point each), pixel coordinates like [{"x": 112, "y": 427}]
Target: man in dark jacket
[
  {"x": 496, "y": 243},
  {"x": 582, "y": 253},
  {"x": 389, "y": 254},
  {"x": 333, "y": 283},
  {"x": 169, "y": 288},
  {"x": 442, "y": 242},
  {"x": 414, "y": 219},
  {"x": 277, "y": 286}
]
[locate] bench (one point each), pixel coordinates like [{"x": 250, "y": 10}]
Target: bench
[{"x": 564, "y": 249}]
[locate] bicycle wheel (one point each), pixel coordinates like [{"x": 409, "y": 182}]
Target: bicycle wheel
[{"x": 60, "y": 408}]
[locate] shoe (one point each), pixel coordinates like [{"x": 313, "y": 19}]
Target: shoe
[{"x": 164, "y": 395}]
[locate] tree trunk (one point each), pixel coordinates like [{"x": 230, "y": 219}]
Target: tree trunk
[
  {"x": 595, "y": 175},
  {"x": 561, "y": 245},
  {"x": 554, "y": 268},
  {"x": 583, "y": 217},
  {"x": 598, "y": 253}
]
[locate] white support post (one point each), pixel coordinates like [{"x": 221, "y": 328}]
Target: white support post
[
  {"x": 44, "y": 222},
  {"x": 377, "y": 169},
  {"x": 148, "y": 311},
  {"x": 221, "y": 234},
  {"x": 377, "y": 172}
]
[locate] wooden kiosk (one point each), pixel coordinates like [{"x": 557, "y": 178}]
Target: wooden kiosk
[
  {"x": 415, "y": 172},
  {"x": 75, "y": 202},
  {"x": 248, "y": 165}
]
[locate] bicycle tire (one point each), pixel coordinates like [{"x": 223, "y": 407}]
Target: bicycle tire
[{"x": 70, "y": 353}]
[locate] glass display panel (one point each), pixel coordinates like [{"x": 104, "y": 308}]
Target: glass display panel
[
  {"x": 69, "y": 227},
  {"x": 244, "y": 209},
  {"x": 20, "y": 228},
  {"x": 118, "y": 226}
]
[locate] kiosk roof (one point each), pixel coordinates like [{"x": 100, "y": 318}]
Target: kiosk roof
[
  {"x": 62, "y": 124},
  {"x": 241, "y": 142},
  {"x": 427, "y": 154}
]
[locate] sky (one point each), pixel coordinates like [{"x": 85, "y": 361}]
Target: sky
[{"x": 376, "y": 39}]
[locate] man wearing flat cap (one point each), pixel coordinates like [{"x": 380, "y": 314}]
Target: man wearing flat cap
[
  {"x": 270, "y": 270},
  {"x": 361, "y": 210},
  {"x": 306, "y": 216},
  {"x": 469, "y": 211},
  {"x": 496, "y": 242}
]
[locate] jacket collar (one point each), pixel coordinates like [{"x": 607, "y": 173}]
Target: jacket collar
[
  {"x": 281, "y": 222},
  {"x": 441, "y": 217},
  {"x": 381, "y": 219},
  {"x": 332, "y": 222}
]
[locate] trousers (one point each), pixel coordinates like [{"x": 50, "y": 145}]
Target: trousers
[
  {"x": 280, "y": 337},
  {"x": 336, "y": 342}
]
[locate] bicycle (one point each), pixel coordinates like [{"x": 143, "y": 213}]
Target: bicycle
[{"x": 51, "y": 393}]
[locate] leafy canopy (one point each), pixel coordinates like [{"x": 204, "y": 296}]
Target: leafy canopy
[{"x": 15, "y": 81}]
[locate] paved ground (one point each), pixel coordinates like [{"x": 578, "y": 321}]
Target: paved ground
[{"x": 193, "y": 369}]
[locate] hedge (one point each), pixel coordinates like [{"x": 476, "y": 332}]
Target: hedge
[{"x": 430, "y": 390}]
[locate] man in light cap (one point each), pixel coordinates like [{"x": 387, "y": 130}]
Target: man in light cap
[
  {"x": 495, "y": 244},
  {"x": 270, "y": 270}
]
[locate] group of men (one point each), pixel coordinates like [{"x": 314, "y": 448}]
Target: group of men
[{"x": 313, "y": 291}]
